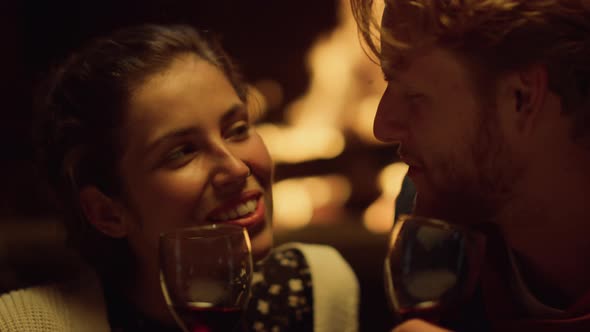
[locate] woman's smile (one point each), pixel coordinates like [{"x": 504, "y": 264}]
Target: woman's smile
[{"x": 247, "y": 210}]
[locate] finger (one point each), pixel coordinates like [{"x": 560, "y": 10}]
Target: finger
[{"x": 417, "y": 325}]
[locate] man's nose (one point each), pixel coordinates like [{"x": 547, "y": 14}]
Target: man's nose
[{"x": 389, "y": 124}]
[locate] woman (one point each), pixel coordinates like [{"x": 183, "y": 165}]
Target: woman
[{"x": 144, "y": 132}]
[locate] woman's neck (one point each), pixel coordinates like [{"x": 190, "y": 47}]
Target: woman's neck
[{"x": 144, "y": 292}]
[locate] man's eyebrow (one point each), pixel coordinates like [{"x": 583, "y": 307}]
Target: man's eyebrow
[{"x": 392, "y": 76}]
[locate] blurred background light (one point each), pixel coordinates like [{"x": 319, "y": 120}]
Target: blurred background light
[
  {"x": 378, "y": 217},
  {"x": 293, "y": 207},
  {"x": 301, "y": 201}
]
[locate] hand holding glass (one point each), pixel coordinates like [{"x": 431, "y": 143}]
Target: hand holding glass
[{"x": 205, "y": 273}]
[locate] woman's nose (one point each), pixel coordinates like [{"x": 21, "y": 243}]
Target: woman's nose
[
  {"x": 388, "y": 125},
  {"x": 229, "y": 172}
]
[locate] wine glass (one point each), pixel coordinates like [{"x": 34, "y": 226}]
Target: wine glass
[
  {"x": 205, "y": 274},
  {"x": 431, "y": 267}
]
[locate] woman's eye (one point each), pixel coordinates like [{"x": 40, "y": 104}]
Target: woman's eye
[
  {"x": 180, "y": 153},
  {"x": 240, "y": 130}
]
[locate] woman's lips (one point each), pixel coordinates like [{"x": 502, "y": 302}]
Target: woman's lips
[{"x": 227, "y": 213}]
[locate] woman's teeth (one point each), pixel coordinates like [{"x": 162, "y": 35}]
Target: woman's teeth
[{"x": 241, "y": 210}]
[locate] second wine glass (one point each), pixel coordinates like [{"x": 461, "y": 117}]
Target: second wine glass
[
  {"x": 431, "y": 267},
  {"x": 206, "y": 273}
]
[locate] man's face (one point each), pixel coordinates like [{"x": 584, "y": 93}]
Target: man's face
[{"x": 459, "y": 160}]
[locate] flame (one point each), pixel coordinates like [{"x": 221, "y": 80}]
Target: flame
[
  {"x": 342, "y": 97},
  {"x": 342, "y": 76}
]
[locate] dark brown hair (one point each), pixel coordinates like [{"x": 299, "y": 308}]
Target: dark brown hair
[{"x": 81, "y": 112}]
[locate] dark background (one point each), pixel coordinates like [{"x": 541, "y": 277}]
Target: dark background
[{"x": 269, "y": 38}]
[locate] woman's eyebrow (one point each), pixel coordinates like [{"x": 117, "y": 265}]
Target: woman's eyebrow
[
  {"x": 236, "y": 110},
  {"x": 180, "y": 132}
]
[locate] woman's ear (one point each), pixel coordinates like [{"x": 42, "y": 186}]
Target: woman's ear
[{"x": 103, "y": 212}]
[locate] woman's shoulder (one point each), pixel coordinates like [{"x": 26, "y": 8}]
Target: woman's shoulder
[
  {"x": 285, "y": 265},
  {"x": 282, "y": 298},
  {"x": 311, "y": 282},
  {"x": 24, "y": 299},
  {"x": 66, "y": 306},
  {"x": 32, "y": 309},
  {"x": 325, "y": 263}
]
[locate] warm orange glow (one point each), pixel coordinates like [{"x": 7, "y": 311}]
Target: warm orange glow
[
  {"x": 391, "y": 178},
  {"x": 379, "y": 215},
  {"x": 298, "y": 143},
  {"x": 293, "y": 207},
  {"x": 297, "y": 200},
  {"x": 342, "y": 76},
  {"x": 343, "y": 95},
  {"x": 363, "y": 126},
  {"x": 328, "y": 190}
]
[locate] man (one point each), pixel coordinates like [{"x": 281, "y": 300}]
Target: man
[{"x": 489, "y": 102}]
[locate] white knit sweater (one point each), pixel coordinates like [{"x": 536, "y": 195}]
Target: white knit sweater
[
  {"x": 79, "y": 306},
  {"x": 75, "y": 306}
]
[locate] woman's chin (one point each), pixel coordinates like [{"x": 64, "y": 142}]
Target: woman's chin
[{"x": 261, "y": 245}]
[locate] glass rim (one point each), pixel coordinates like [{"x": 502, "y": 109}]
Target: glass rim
[
  {"x": 438, "y": 223},
  {"x": 199, "y": 231}
]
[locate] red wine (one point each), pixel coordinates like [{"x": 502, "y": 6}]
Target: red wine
[
  {"x": 205, "y": 317},
  {"x": 430, "y": 313}
]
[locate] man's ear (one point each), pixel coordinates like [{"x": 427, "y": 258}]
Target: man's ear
[
  {"x": 529, "y": 90},
  {"x": 103, "y": 212}
]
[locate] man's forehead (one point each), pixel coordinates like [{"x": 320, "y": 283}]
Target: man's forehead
[
  {"x": 425, "y": 66},
  {"x": 399, "y": 39},
  {"x": 393, "y": 58}
]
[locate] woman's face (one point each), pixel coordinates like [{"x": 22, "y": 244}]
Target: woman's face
[{"x": 191, "y": 158}]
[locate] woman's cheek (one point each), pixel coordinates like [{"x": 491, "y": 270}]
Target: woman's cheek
[{"x": 260, "y": 160}]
